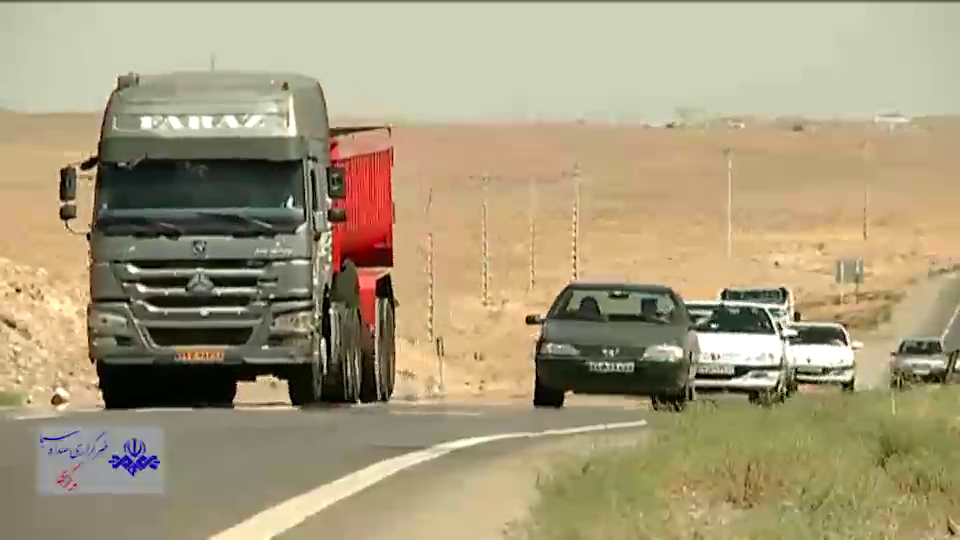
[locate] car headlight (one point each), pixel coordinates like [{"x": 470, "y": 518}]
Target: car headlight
[
  {"x": 558, "y": 349},
  {"x": 663, "y": 353},
  {"x": 104, "y": 322},
  {"x": 766, "y": 358},
  {"x": 298, "y": 321},
  {"x": 707, "y": 356}
]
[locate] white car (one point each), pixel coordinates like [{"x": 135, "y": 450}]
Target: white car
[
  {"x": 743, "y": 349},
  {"x": 780, "y": 299},
  {"x": 823, "y": 353}
]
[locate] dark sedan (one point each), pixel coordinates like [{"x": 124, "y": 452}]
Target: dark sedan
[{"x": 616, "y": 338}]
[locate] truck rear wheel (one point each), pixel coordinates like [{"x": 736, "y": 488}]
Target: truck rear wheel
[
  {"x": 379, "y": 358},
  {"x": 342, "y": 381}
]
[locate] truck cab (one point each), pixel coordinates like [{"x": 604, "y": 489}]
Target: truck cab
[
  {"x": 231, "y": 238},
  {"x": 779, "y": 299}
]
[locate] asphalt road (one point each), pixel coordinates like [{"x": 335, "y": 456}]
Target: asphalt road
[{"x": 224, "y": 466}]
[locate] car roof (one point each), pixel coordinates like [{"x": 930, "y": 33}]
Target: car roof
[
  {"x": 618, "y": 286},
  {"x": 815, "y": 324},
  {"x": 731, "y": 303},
  {"x": 921, "y": 338},
  {"x": 757, "y": 288}
]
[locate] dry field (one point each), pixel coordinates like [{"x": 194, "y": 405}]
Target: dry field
[{"x": 653, "y": 210}]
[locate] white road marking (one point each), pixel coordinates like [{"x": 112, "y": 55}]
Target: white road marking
[
  {"x": 435, "y": 413},
  {"x": 953, "y": 318},
  {"x": 286, "y": 515}
]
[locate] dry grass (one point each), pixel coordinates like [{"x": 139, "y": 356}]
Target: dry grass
[
  {"x": 826, "y": 466},
  {"x": 653, "y": 210}
]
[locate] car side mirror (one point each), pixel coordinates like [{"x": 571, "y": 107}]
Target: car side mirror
[
  {"x": 68, "y": 184},
  {"x": 856, "y": 345},
  {"x": 533, "y": 319},
  {"x": 337, "y": 183},
  {"x": 796, "y": 316},
  {"x": 337, "y": 215}
]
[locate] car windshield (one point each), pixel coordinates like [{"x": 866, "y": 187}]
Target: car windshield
[
  {"x": 921, "y": 347},
  {"x": 153, "y": 184},
  {"x": 765, "y": 296},
  {"x": 699, "y": 312},
  {"x": 597, "y": 304},
  {"x": 820, "y": 335},
  {"x": 738, "y": 320}
]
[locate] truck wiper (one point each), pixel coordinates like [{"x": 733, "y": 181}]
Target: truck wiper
[
  {"x": 143, "y": 226},
  {"x": 255, "y": 226}
]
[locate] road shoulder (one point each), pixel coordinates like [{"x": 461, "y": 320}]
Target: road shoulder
[{"x": 472, "y": 494}]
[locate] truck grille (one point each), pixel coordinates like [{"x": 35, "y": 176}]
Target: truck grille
[
  {"x": 194, "y": 284},
  {"x": 172, "y": 337}
]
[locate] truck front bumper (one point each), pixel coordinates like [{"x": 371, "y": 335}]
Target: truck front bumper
[{"x": 116, "y": 337}]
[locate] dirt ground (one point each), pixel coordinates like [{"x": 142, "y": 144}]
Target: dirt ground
[{"x": 653, "y": 209}]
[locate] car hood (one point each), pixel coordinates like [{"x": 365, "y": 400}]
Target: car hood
[
  {"x": 821, "y": 354},
  {"x": 727, "y": 343},
  {"x": 612, "y": 334}
]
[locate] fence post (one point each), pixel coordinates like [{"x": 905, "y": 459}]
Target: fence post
[
  {"x": 575, "y": 226},
  {"x": 533, "y": 235},
  {"x": 431, "y": 310},
  {"x": 484, "y": 249}
]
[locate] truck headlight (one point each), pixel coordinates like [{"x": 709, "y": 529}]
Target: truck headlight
[
  {"x": 296, "y": 322},
  {"x": 105, "y": 323},
  {"x": 558, "y": 349},
  {"x": 663, "y": 353}
]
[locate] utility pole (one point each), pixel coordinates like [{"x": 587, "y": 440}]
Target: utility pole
[
  {"x": 866, "y": 187},
  {"x": 728, "y": 153}
]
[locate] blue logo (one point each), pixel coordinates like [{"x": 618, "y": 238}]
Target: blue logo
[{"x": 135, "y": 458}]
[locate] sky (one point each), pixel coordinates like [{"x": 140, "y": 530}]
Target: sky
[{"x": 506, "y": 61}]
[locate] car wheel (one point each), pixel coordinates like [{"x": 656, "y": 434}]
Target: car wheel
[
  {"x": 849, "y": 386},
  {"x": 544, "y": 396}
]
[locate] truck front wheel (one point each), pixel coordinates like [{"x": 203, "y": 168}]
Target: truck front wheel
[
  {"x": 117, "y": 387},
  {"x": 304, "y": 384}
]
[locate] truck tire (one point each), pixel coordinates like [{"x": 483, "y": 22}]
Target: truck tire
[
  {"x": 116, "y": 387},
  {"x": 342, "y": 382},
  {"x": 304, "y": 385},
  {"x": 379, "y": 358}
]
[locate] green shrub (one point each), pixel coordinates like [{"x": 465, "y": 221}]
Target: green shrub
[{"x": 829, "y": 466}]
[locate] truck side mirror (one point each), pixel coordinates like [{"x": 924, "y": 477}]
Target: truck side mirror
[
  {"x": 336, "y": 183},
  {"x": 68, "y": 184},
  {"x": 337, "y": 215},
  {"x": 68, "y": 211}
]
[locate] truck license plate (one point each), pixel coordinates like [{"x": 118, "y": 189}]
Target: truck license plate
[
  {"x": 610, "y": 367},
  {"x": 199, "y": 355},
  {"x": 715, "y": 369}
]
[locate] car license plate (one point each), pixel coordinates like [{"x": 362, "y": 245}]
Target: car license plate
[
  {"x": 808, "y": 370},
  {"x": 716, "y": 369},
  {"x": 199, "y": 355},
  {"x": 610, "y": 367}
]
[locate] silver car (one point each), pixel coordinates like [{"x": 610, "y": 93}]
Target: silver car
[{"x": 918, "y": 358}]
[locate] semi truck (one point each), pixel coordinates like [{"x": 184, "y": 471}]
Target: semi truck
[{"x": 233, "y": 234}]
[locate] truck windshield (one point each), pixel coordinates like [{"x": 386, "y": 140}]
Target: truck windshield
[{"x": 206, "y": 184}]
